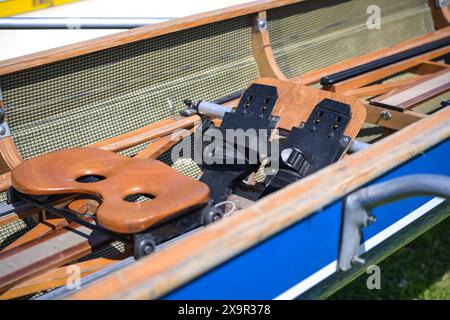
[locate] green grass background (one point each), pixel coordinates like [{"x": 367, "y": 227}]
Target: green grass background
[{"x": 420, "y": 270}]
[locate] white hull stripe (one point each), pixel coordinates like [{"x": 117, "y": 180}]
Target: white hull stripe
[{"x": 369, "y": 244}]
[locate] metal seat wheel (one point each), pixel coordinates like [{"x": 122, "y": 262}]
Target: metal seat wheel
[
  {"x": 144, "y": 245},
  {"x": 212, "y": 215}
]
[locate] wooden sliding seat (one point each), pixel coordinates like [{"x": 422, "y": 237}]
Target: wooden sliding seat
[{"x": 118, "y": 178}]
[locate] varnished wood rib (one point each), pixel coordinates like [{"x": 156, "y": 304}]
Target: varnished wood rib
[
  {"x": 162, "y": 145},
  {"x": 168, "y": 269},
  {"x": 398, "y": 120},
  {"x": 5, "y": 181},
  {"x": 262, "y": 51},
  {"x": 69, "y": 51},
  {"x": 58, "y": 277},
  {"x": 316, "y": 75},
  {"x": 156, "y": 149},
  {"x": 9, "y": 218},
  {"x": 145, "y": 134},
  {"x": 411, "y": 95},
  {"x": 9, "y": 152}
]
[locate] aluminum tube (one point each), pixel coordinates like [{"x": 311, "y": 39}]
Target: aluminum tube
[
  {"x": 404, "y": 187},
  {"x": 212, "y": 109},
  {"x": 359, "y": 204},
  {"x": 76, "y": 23}
]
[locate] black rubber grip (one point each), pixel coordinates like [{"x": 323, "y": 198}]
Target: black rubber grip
[{"x": 356, "y": 71}]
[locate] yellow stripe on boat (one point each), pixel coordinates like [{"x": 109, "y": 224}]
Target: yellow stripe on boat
[{"x": 13, "y": 7}]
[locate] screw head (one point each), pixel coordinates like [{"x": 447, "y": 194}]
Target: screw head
[
  {"x": 371, "y": 219},
  {"x": 385, "y": 115},
  {"x": 275, "y": 118},
  {"x": 148, "y": 249},
  {"x": 261, "y": 23}
]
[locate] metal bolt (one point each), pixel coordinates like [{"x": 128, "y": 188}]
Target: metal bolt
[
  {"x": 441, "y": 3},
  {"x": 148, "y": 249},
  {"x": 371, "y": 219},
  {"x": 275, "y": 119},
  {"x": 385, "y": 115},
  {"x": 261, "y": 24}
]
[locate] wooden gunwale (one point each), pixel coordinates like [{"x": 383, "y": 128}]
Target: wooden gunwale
[
  {"x": 146, "y": 32},
  {"x": 151, "y": 31}
]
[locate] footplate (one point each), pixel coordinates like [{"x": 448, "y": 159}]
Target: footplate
[
  {"x": 253, "y": 119},
  {"x": 313, "y": 145}
]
